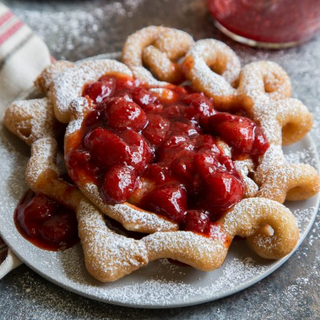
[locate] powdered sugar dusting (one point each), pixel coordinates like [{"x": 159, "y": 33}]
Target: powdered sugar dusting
[
  {"x": 68, "y": 85},
  {"x": 172, "y": 44},
  {"x": 71, "y": 29},
  {"x": 244, "y": 167},
  {"x": 161, "y": 290},
  {"x": 43, "y": 158},
  {"x": 30, "y": 120},
  {"x": 305, "y": 156},
  {"x": 276, "y": 176},
  {"x": 303, "y": 216},
  {"x": 201, "y": 57},
  {"x": 132, "y": 218}
]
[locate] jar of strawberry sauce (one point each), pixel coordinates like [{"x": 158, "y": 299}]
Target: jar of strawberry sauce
[{"x": 267, "y": 23}]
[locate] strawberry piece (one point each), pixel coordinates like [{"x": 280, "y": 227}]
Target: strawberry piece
[
  {"x": 157, "y": 173},
  {"x": 226, "y": 164},
  {"x": 98, "y": 91},
  {"x": 106, "y": 148},
  {"x": 235, "y": 130},
  {"x": 156, "y": 129},
  {"x": 169, "y": 200},
  {"x": 197, "y": 220},
  {"x": 206, "y": 163},
  {"x": 123, "y": 114},
  {"x": 39, "y": 209},
  {"x": 174, "y": 148},
  {"x": 94, "y": 117},
  {"x": 139, "y": 150},
  {"x": 60, "y": 228},
  {"x": 260, "y": 143},
  {"x": 123, "y": 85},
  {"x": 143, "y": 97},
  {"x": 206, "y": 143},
  {"x": 224, "y": 190},
  {"x": 45, "y": 219},
  {"x": 78, "y": 162},
  {"x": 199, "y": 107},
  {"x": 173, "y": 111},
  {"x": 118, "y": 184},
  {"x": 183, "y": 128},
  {"x": 183, "y": 167}
]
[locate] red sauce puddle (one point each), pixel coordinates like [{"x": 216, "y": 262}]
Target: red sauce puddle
[{"x": 45, "y": 223}]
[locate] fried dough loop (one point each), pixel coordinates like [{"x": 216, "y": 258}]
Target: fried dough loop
[
  {"x": 262, "y": 88},
  {"x": 159, "y": 49},
  {"x": 212, "y": 67},
  {"x": 280, "y": 180},
  {"x": 265, "y": 90},
  {"x": 30, "y": 120}
]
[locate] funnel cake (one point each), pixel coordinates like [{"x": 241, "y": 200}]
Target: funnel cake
[
  {"x": 106, "y": 253},
  {"x": 166, "y": 160}
]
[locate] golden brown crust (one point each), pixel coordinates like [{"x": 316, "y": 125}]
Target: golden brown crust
[
  {"x": 280, "y": 180},
  {"x": 159, "y": 49},
  {"x": 30, "y": 120},
  {"x": 213, "y": 67},
  {"x": 44, "y": 80},
  {"x": 68, "y": 85}
]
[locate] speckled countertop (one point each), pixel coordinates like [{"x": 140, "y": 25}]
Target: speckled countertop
[{"x": 79, "y": 29}]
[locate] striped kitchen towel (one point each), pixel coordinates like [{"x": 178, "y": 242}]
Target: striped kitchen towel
[{"x": 22, "y": 57}]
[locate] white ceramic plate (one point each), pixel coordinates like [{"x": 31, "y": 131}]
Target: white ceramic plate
[{"x": 158, "y": 285}]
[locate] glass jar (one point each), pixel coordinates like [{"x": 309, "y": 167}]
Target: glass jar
[{"x": 267, "y": 23}]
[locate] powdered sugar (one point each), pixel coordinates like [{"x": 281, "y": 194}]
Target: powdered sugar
[
  {"x": 132, "y": 218},
  {"x": 305, "y": 156},
  {"x": 76, "y": 29},
  {"x": 68, "y": 85},
  {"x": 244, "y": 167},
  {"x": 170, "y": 43},
  {"x": 203, "y": 55},
  {"x": 303, "y": 215},
  {"x": 31, "y": 120}
]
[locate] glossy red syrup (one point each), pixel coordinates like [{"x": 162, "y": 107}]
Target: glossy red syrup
[
  {"x": 273, "y": 21},
  {"x": 45, "y": 223},
  {"x": 159, "y": 152}
]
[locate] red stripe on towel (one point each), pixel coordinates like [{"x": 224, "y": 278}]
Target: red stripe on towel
[
  {"x": 11, "y": 31},
  {"x": 7, "y": 16}
]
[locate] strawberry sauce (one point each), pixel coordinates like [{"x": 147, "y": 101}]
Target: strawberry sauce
[
  {"x": 270, "y": 21},
  {"x": 157, "y": 149},
  {"x": 45, "y": 223}
]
